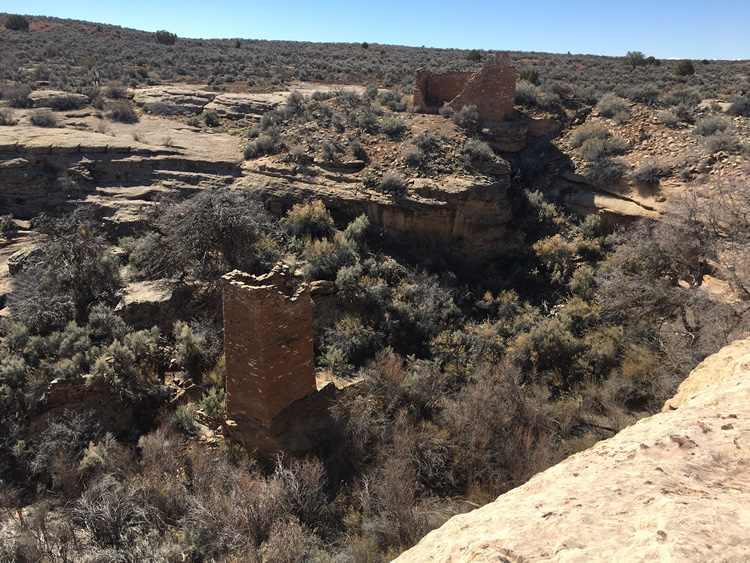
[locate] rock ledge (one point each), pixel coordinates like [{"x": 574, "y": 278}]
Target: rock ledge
[{"x": 672, "y": 487}]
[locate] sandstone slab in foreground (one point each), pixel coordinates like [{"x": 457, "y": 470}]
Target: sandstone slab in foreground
[{"x": 672, "y": 487}]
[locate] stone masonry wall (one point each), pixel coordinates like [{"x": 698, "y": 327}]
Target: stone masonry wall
[
  {"x": 66, "y": 392},
  {"x": 436, "y": 89},
  {"x": 492, "y": 90},
  {"x": 268, "y": 344}
]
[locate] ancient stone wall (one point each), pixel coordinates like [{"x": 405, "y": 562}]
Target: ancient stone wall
[
  {"x": 66, "y": 392},
  {"x": 268, "y": 344},
  {"x": 436, "y": 89},
  {"x": 492, "y": 90}
]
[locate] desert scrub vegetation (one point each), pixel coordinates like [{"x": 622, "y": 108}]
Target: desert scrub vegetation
[
  {"x": 211, "y": 118},
  {"x": 392, "y": 183},
  {"x": 65, "y": 102},
  {"x": 216, "y": 231},
  {"x": 528, "y": 93},
  {"x": 530, "y": 75},
  {"x": 669, "y": 118},
  {"x": 684, "y": 68},
  {"x": 121, "y": 52},
  {"x": 648, "y": 173},
  {"x": 7, "y": 117},
  {"x": 467, "y": 118},
  {"x": 635, "y": 59},
  {"x": 43, "y": 118},
  {"x": 711, "y": 125},
  {"x": 605, "y": 171},
  {"x": 123, "y": 111},
  {"x": 18, "y": 97},
  {"x": 393, "y": 126},
  {"x": 164, "y": 37},
  {"x": 595, "y": 142},
  {"x": 740, "y": 106},
  {"x": 722, "y": 141},
  {"x": 115, "y": 91},
  {"x": 8, "y": 227},
  {"x": 613, "y": 106},
  {"x": 471, "y": 380},
  {"x": 475, "y": 153}
]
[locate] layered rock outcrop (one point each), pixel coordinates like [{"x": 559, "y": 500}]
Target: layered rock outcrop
[
  {"x": 173, "y": 100},
  {"x": 118, "y": 172},
  {"x": 187, "y": 100},
  {"x": 468, "y": 212},
  {"x": 57, "y": 98},
  {"x": 672, "y": 487}
]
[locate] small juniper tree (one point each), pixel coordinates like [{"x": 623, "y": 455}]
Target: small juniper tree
[
  {"x": 164, "y": 37},
  {"x": 684, "y": 68},
  {"x": 17, "y": 23},
  {"x": 634, "y": 59}
]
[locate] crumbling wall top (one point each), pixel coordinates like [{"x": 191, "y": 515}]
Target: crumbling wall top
[
  {"x": 268, "y": 344},
  {"x": 279, "y": 279}
]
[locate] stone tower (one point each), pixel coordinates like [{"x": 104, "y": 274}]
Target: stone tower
[{"x": 268, "y": 344}]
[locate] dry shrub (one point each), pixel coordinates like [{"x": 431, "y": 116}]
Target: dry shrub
[
  {"x": 590, "y": 130},
  {"x": 394, "y": 506},
  {"x": 310, "y": 218},
  {"x": 288, "y": 542},
  {"x": 112, "y": 513},
  {"x": 35, "y": 533},
  {"x": 230, "y": 511},
  {"x": 304, "y": 483},
  {"x": 59, "y": 449},
  {"x": 504, "y": 431},
  {"x": 124, "y": 112},
  {"x": 611, "y": 105},
  {"x": 163, "y": 478}
]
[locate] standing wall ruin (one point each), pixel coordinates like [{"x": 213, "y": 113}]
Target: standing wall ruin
[
  {"x": 492, "y": 90},
  {"x": 268, "y": 344}
]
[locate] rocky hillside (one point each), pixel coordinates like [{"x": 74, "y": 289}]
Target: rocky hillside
[{"x": 672, "y": 487}]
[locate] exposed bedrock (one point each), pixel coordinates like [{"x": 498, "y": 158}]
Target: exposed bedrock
[
  {"x": 672, "y": 487},
  {"x": 470, "y": 213},
  {"x": 51, "y": 170}
]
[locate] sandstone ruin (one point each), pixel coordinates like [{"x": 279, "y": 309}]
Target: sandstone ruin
[
  {"x": 492, "y": 90},
  {"x": 268, "y": 344}
]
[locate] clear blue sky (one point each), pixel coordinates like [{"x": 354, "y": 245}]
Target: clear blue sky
[{"x": 686, "y": 29}]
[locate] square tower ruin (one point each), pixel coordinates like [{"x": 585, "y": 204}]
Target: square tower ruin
[
  {"x": 268, "y": 344},
  {"x": 492, "y": 90}
]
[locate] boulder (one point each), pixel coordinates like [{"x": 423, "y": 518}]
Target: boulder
[
  {"x": 323, "y": 287},
  {"x": 24, "y": 258},
  {"x": 57, "y": 99},
  {"x": 505, "y": 136},
  {"x": 143, "y": 304}
]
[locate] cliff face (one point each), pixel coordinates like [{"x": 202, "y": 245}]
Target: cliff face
[
  {"x": 118, "y": 173},
  {"x": 122, "y": 169},
  {"x": 470, "y": 213},
  {"x": 672, "y": 487}
]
